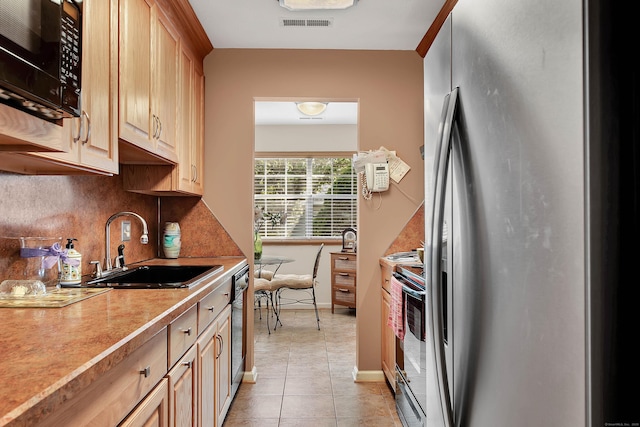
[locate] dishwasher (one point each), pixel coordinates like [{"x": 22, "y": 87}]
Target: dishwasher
[{"x": 240, "y": 285}]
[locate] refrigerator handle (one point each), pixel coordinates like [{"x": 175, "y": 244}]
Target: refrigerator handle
[{"x": 434, "y": 266}]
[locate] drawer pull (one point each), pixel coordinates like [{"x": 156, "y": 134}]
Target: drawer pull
[
  {"x": 146, "y": 372},
  {"x": 188, "y": 364},
  {"x": 211, "y": 308},
  {"x": 344, "y": 290},
  {"x": 344, "y": 274},
  {"x": 187, "y": 331}
]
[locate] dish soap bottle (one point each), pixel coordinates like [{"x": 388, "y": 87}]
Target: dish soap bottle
[{"x": 71, "y": 273}]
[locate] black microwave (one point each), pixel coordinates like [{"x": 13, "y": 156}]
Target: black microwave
[{"x": 40, "y": 57}]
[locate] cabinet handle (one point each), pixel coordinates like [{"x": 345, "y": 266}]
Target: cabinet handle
[
  {"x": 344, "y": 274},
  {"x": 187, "y": 331},
  {"x": 146, "y": 372},
  {"x": 344, "y": 290},
  {"x": 86, "y": 138},
  {"x": 159, "y": 128},
  {"x": 154, "y": 126},
  {"x": 76, "y": 139},
  {"x": 211, "y": 308},
  {"x": 188, "y": 364},
  {"x": 221, "y": 341}
]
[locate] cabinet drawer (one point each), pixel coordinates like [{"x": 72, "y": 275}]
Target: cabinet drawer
[
  {"x": 344, "y": 262},
  {"x": 182, "y": 334},
  {"x": 344, "y": 279},
  {"x": 345, "y": 295},
  {"x": 386, "y": 271},
  {"x": 109, "y": 399},
  {"x": 212, "y": 304}
]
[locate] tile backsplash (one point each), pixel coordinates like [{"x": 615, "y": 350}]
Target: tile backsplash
[{"x": 79, "y": 206}]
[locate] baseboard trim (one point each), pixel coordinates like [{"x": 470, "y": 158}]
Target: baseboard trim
[
  {"x": 368, "y": 376},
  {"x": 250, "y": 376}
]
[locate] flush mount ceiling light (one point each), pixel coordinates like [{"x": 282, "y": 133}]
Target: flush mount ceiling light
[
  {"x": 311, "y": 108},
  {"x": 316, "y": 4}
]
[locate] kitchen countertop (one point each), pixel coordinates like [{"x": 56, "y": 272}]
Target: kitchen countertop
[{"x": 51, "y": 354}]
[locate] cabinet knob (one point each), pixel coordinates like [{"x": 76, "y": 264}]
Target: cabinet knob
[
  {"x": 211, "y": 308},
  {"x": 188, "y": 364},
  {"x": 146, "y": 371}
]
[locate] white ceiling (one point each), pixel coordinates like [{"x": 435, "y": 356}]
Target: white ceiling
[{"x": 369, "y": 25}]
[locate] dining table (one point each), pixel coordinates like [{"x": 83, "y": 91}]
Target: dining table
[{"x": 275, "y": 260}]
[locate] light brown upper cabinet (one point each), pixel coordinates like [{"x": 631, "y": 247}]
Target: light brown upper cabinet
[
  {"x": 90, "y": 140},
  {"x": 185, "y": 177},
  {"x": 149, "y": 46},
  {"x": 191, "y": 135}
]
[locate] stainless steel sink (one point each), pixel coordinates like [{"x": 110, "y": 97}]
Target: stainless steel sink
[{"x": 156, "y": 277}]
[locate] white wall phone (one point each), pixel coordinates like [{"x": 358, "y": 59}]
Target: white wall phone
[{"x": 377, "y": 176}]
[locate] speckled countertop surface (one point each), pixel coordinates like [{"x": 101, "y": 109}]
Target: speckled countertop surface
[{"x": 50, "y": 354}]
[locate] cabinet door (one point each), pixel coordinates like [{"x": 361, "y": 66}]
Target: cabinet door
[
  {"x": 135, "y": 73},
  {"x": 214, "y": 367},
  {"x": 153, "y": 410},
  {"x": 191, "y": 121},
  {"x": 388, "y": 342},
  {"x": 206, "y": 375},
  {"x": 223, "y": 366},
  {"x": 164, "y": 75},
  {"x": 186, "y": 128},
  {"x": 197, "y": 147},
  {"x": 98, "y": 143},
  {"x": 183, "y": 391}
]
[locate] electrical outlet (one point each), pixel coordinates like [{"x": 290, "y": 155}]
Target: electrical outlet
[{"x": 126, "y": 231}]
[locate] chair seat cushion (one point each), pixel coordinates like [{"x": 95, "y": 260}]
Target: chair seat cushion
[
  {"x": 263, "y": 285},
  {"x": 293, "y": 281},
  {"x": 263, "y": 274}
]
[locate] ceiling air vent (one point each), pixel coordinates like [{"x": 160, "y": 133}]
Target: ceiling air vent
[{"x": 289, "y": 22}]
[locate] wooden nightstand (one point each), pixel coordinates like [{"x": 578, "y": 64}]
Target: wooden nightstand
[{"x": 343, "y": 279}]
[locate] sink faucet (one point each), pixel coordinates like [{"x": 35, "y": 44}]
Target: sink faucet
[{"x": 144, "y": 239}]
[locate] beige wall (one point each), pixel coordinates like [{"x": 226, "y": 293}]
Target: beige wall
[
  {"x": 388, "y": 86},
  {"x": 306, "y": 138}
]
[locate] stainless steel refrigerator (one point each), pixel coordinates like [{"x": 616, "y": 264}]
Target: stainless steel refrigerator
[{"x": 531, "y": 181}]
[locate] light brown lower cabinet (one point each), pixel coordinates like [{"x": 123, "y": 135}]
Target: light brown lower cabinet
[
  {"x": 214, "y": 370},
  {"x": 389, "y": 342},
  {"x": 108, "y": 400},
  {"x": 153, "y": 410},
  {"x": 183, "y": 391}
]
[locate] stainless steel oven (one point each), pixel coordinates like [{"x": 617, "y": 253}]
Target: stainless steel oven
[{"x": 411, "y": 375}]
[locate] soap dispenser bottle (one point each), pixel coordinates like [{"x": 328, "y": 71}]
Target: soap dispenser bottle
[{"x": 71, "y": 273}]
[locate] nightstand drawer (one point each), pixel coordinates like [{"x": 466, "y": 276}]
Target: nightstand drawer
[
  {"x": 345, "y": 262},
  {"x": 344, "y": 295},
  {"x": 344, "y": 279}
]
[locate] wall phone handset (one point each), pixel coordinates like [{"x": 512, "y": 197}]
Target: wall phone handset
[{"x": 377, "y": 176}]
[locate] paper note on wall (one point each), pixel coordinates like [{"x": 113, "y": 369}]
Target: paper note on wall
[{"x": 397, "y": 168}]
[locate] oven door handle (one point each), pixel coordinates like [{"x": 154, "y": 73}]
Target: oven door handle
[{"x": 418, "y": 295}]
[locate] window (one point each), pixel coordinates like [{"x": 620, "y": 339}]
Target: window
[{"x": 312, "y": 197}]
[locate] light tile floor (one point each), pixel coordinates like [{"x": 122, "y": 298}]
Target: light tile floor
[{"x": 305, "y": 376}]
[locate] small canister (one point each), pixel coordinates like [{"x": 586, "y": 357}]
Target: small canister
[{"x": 171, "y": 240}]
